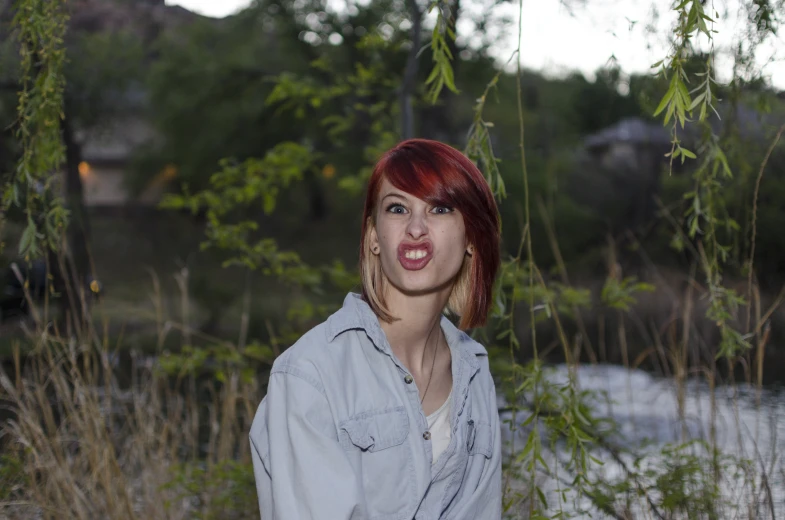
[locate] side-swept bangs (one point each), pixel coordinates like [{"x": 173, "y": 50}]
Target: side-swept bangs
[{"x": 439, "y": 175}]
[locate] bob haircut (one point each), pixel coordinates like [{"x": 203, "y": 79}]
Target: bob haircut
[{"x": 439, "y": 175}]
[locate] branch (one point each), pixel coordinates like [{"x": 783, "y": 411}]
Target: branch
[
  {"x": 410, "y": 75},
  {"x": 608, "y": 510},
  {"x": 755, "y": 218},
  {"x": 614, "y": 452},
  {"x": 615, "y": 455}
]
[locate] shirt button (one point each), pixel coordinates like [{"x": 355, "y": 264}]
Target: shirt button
[
  {"x": 408, "y": 379},
  {"x": 426, "y": 436}
]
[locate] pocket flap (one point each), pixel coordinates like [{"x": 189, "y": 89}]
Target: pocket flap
[
  {"x": 376, "y": 430},
  {"x": 480, "y": 439}
]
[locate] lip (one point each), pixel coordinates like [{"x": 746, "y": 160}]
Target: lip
[{"x": 415, "y": 265}]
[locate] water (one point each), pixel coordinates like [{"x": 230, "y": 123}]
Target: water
[{"x": 646, "y": 411}]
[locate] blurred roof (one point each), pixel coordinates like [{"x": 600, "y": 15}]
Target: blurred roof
[
  {"x": 752, "y": 125},
  {"x": 141, "y": 16},
  {"x": 630, "y": 130},
  {"x": 115, "y": 138},
  {"x": 145, "y": 18},
  {"x": 116, "y": 141}
]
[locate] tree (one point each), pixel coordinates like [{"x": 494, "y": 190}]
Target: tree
[
  {"x": 102, "y": 82},
  {"x": 207, "y": 92},
  {"x": 96, "y": 82}
]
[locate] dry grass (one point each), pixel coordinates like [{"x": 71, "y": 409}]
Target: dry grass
[{"x": 82, "y": 443}]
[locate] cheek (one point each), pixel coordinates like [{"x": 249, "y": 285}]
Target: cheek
[
  {"x": 386, "y": 233},
  {"x": 457, "y": 236},
  {"x": 387, "y": 245},
  {"x": 384, "y": 239},
  {"x": 453, "y": 247}
]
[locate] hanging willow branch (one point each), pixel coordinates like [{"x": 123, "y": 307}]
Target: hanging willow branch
[
  {"x": 706, "y": 212},
  {"x": 41, "y": 26},
  {"x": 442, "y": 73}
]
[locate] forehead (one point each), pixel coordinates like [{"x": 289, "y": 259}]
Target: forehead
[
  {"x": 430, "y": 195},
  {"x": 387, "y": 188}
]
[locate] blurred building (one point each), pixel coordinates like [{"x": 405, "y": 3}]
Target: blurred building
[
  {"x": 107, "y": 154},
  {"x": 630, "y": 143},
  {"x": 617, "y": 173}
]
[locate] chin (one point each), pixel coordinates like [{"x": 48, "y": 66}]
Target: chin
[{"x": 420, "y": 285}]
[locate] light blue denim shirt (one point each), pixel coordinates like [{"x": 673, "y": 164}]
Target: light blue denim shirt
[{"x": 341, "y": 433}]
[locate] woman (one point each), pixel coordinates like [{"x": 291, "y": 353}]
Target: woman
[{"x": 387, "y": 410}]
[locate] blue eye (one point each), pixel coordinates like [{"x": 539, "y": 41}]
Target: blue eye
[
  {"x": 441, "y": 210},
  {"x": 396, "y": 208}
]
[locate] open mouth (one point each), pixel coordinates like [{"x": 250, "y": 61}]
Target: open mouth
[{"x": 414, "y": 257}]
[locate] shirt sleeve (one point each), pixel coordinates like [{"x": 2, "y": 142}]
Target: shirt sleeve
[
  {"x": 489, "y": 490},
  {"x": 300, "y": 468}
]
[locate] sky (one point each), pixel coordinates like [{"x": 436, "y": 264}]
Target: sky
[{"x": 556, "y": 39}]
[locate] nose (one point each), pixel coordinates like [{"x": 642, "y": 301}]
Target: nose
[{"x": 417, "y": 226}]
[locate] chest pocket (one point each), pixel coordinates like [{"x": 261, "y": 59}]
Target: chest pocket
[
  {"x": 376, "y": 444},
  {"x": 479, "y": 438}
]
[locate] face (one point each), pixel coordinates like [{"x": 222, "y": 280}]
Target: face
[{"x": 421, "y": 247}]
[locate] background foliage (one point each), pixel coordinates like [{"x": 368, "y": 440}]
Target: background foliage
[{"x": 659, "y": 251}]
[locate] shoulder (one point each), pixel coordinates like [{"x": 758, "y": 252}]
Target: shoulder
[
  {"x": 484, "y": 386},
  {"x": 472, "y": 345},
  {"x": 312, "y": 345},
  {"x": 473, "y": 351},
  {"x": 322, "y": 348},
  {"x": 484, "y": 375},
  {"x": 480, "y": 354},
  {"x": 302, "y": 358},
  {"x": 305, "y": 348}
]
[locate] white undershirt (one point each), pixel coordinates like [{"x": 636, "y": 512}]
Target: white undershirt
[{"x": 439, "y": 426}]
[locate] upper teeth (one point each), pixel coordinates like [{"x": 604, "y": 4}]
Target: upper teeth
[{"x": 416, "y": 254}]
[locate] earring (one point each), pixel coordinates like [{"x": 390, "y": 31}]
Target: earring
[
  {"x": 470, "y": 250},
  {"x": 375, "y": 250}
]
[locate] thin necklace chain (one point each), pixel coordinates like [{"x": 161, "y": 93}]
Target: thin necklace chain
[{"x": 433, "y": 363}]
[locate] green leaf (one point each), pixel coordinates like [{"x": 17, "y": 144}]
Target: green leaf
[
  {"x": 542, "y": 498},
  {"x": 688, "y": 153},
  {"x": 698, "y": 99},
  {"x": 435, "y": 72},
  {"x": 665, "y": 100},
  {"x": 27, "y": 240},
  {"x": 268, "y": 202},
  {"x": 503, "y": 334},
  {"x": 683, "y": 92}
]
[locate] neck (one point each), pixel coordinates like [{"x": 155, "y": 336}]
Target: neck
[{"x": 416, "y": 332}]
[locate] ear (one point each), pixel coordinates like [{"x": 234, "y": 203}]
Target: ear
[
  {"x": 470, "y": 250},
  {"x": 373, "y": 238}
]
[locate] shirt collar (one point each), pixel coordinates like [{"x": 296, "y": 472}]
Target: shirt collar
[{"x": 357, "y": 314}]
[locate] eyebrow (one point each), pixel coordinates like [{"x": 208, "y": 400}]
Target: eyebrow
[{"x": 395, "y": 194}]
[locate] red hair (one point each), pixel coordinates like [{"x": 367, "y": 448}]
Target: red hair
[{"x": 439, "y": 175}]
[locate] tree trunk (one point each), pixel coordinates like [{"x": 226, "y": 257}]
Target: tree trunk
[
  {"x": 316, "y": 201},
  {"x": 76, "y": 260}
]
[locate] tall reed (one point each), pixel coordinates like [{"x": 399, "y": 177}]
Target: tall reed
[{"x": 90, "y": 437}]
